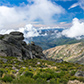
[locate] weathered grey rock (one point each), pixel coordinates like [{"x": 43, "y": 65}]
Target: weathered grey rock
[
  {"x": 13, "y": 45},
  {"x": 79, "y": 73},
  {"x": 59, "y": 60},
  {"x": 14, "y": 68},
  {"x": 17, "y": 35},
  {"x": 38, "y": 63},
  {"x": 4, "y": 60},
  {"x": 19, "y": 59},
  {"x": 9, "y": 49},
  {"x": 55, "y": 60},
  {"x": 36, "y": 51}
]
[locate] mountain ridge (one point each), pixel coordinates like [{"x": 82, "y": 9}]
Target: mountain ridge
[{"x": 70, "y": 52}]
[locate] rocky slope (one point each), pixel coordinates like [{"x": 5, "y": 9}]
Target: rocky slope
[
  {"x": 70, "y": 53},
  {"x": 13, "y": 45},
  {"x": 39, "y": 71}
]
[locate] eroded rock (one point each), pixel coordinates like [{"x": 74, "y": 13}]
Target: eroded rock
[{"x": 13, "y": 45}]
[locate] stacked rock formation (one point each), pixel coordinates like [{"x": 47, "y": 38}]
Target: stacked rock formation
[{"x": 13, "y": 45}]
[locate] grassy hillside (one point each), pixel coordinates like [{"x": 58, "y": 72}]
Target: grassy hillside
[
  {"x": 37, "y": 71},
  {"x": 69, "y": 52}
]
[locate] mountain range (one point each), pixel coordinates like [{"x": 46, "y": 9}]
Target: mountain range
[
  {"x": 49, "y": 38},
  {"x": 46, "y": 37}
]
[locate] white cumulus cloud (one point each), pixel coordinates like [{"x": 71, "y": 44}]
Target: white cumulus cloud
[
  {"x": 28, "y": 31},
  {"x": 76, "y": 30},
  {"x": 14, "y": 17}
]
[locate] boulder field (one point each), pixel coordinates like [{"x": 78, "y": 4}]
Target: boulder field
[{"x": 13, "y": 44}]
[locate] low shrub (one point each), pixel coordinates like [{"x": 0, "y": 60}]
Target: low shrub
[
  {"x": 81, "y": 79},
  {"x": 24, "y": 80},
  {"x": 41, "y": 81},
  {"x": 53, "y": 81},
  {"x": 72, "y": 73},
  {"x": 28, "y": 73},
  {"x": 7, "y": 78},
  {"x": 1, "y": 73}
]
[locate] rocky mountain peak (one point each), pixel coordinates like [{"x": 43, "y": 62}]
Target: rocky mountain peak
[{"x": 13, "y": 45}]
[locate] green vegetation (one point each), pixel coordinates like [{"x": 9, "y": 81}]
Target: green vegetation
[
  {"x": 53, "y": 41},
  {"x": 37, "y": 71},
  {"x": 7, "y": 78}
]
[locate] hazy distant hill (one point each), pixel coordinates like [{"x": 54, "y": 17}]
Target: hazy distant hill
[
  {"x": 70, "y": 53},
  {"x": 49, "y": 38}
]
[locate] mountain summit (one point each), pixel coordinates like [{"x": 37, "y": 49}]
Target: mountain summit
[{"x": 13, "y": 45}]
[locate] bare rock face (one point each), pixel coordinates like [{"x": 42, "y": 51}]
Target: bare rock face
[{"x": 13, "y": 45}]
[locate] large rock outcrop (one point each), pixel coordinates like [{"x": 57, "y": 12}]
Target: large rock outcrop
[{"x": 13, "y": 45}]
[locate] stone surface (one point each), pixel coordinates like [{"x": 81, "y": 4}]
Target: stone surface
[
  {"x": 13, "y": 45},
  {"x": 59, "y": 60},
  {"x": 75, "y": 82},
  {"x": 79, "y": 73},
  {"x": 55, "y": 60},
  {"x": 4, "y": 60}
]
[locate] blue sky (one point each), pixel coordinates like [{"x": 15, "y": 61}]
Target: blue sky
[{"x": 58, "y": 12}]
